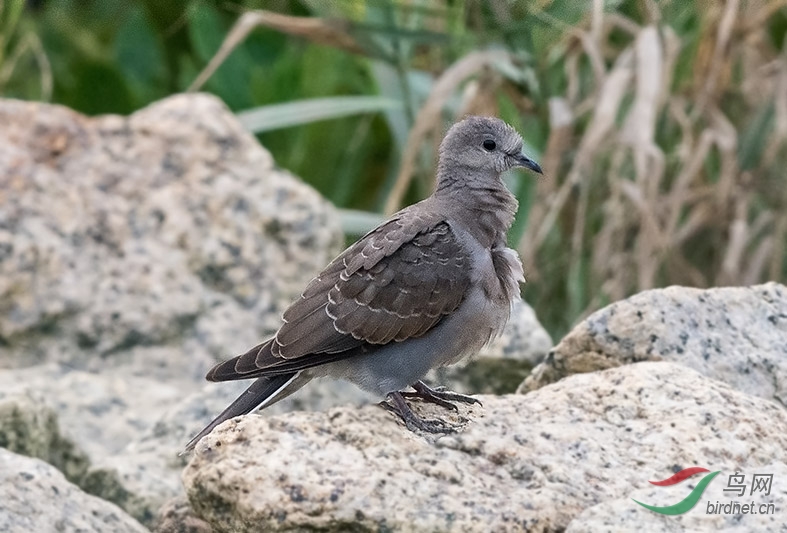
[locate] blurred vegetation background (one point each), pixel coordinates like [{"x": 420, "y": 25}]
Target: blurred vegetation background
[{"x": 661, "y": 125}]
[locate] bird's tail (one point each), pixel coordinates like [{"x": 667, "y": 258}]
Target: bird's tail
[{"x": 263, "y": 392}]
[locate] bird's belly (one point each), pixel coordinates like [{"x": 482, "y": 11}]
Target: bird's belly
[{"x": 398, "y": 365}]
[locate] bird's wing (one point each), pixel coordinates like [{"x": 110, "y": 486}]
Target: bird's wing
[{"x": 395, "y": 283}]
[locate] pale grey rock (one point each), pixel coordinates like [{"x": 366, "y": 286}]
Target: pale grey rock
[
  {"x": 135, "y": 460},
  {"x": 34, "y": 496},
  {"x": 98, "y": 417},
  {"x": 146, "y": 473},
  {"x": 529, "y": 462},
  {"x": 177, "y": 516},
  {"x": 101, "y": 412},
  {"x": 29, "y": 427},
  {"x": 734, "y": 334},
  {"x": 119, "y": 437},
  {"x": 170, "y": 227}
]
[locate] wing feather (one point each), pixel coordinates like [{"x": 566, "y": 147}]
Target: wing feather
[{"x": 396, "y": 283}]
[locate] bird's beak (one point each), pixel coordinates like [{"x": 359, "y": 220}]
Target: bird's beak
[{"x": 523, "y": 161}]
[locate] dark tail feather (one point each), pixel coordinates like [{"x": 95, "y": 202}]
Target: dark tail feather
[
  {"x": 259, "y": 391},
  {"x": 238, "y": 367}
]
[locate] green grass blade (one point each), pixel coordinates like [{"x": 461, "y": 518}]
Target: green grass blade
[
  {"x": 356, "y": 223},
  {"x": 278, "y": 116},
  {"x": 10, "y": 13}
]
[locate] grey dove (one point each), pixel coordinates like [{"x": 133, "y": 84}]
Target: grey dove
[{"x": 430, "y": 285}]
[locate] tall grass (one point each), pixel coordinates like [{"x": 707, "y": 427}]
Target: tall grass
[{"x": 669, "y": 147}]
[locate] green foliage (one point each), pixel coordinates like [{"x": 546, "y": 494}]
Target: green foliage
[{"x": 277, "y": 116}]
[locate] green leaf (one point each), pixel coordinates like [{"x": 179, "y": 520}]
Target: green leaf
[
  {"x": 100, "y": 89},
  {"x": 755, "y": 137},
  {"x": 278, "y": 116},
  {"x": 777, "y": 28},
  {"x": 9, "y": 16},
  {"x": 139, "y": 56},
  {"x": 205, "y": 30},
  {"x": 10, "y": 12}
]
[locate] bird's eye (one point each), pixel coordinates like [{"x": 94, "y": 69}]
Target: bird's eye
[{"x": 489, "y": 145}]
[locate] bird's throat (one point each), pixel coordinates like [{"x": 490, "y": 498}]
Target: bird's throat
[{"x": 489, "y": 209}]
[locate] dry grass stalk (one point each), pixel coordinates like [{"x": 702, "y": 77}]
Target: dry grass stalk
[
  {"x": 676, "y": 209},
  {"x": 610, "y": 95},
  {"x": 30, "y": 42},
  {"x": 334, "y": 33}
]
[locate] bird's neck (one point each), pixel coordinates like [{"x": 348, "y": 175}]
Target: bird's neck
[{"x": 489, "y": 207}]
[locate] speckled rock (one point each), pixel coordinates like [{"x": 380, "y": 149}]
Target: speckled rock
[
  {"x": 146, "y": 472},
  {"x": 502, "y": 365},
  {"x": 526, "y": 462},
  {"x": 734, "y": 334},
  {"x": 177, "y": 516},
  {"x": 103, "y": 412},
  {"x": 34, "y": 496},
  {"x": 169, "y": 227},
  {"x": 125, "y": 433},
  {"x": 29, "y": 427},
  {"x": 99, "y": 416}
]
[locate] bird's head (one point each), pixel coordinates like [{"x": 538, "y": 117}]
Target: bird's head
[{"x": 484, "y": 145}]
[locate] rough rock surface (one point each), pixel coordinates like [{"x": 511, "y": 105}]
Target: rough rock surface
[
  {"x": 103, "y": 412},
  {"x": 177, "y": 516},
  {"x": 34, "y": 496},
  {"x": 523, "y": 462},
  {"x": 146, "y": 472},
  {"x": 29, "y": 427},
  {"x": 93, "y": 438},
  {"x": 167, "y": 227},
  {"x": 119, "y": 437},
  {"x": 735, "y": 334}
]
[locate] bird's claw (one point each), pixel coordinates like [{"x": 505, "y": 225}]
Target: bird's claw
[
  {"x": 397, "y": 404},
  {"x": 439, "y": 395},
  {"x": 431, "y": 398}
]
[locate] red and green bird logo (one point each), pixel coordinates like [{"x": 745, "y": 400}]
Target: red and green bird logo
[{"x": 689, "y": 501}]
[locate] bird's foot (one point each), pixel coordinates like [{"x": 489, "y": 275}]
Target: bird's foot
[
  {"x": 439, "y": 395},
  {"x": 398, "y": 405}
]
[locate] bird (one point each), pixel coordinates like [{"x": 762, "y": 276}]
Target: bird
[{"x": 427, "y": 287}]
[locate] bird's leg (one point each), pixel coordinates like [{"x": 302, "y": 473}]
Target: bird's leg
[
  {"x": 439, "y": 395},
  {"x": 398, "y": 405}
]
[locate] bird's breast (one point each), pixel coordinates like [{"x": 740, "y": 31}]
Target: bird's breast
[
  {"x": 500, "y": 273},
  {"x": 509, "y": 273}
]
